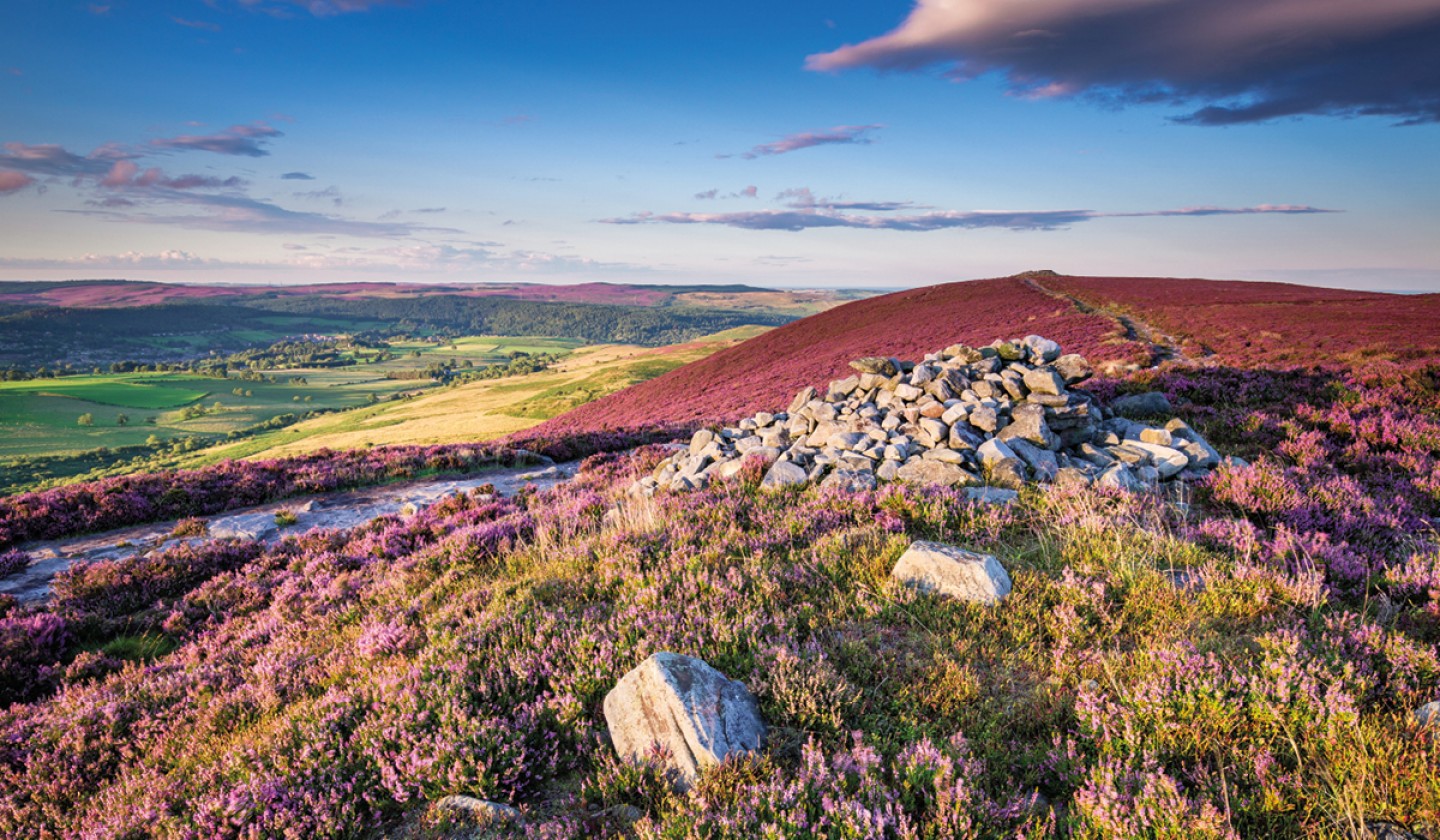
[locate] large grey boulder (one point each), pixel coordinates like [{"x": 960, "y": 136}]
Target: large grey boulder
[
  {"x": 680, "y": 703},
  {"x": 953, "y": 572}
]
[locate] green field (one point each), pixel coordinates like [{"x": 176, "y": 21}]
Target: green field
[{"x": 43, "y": 417}]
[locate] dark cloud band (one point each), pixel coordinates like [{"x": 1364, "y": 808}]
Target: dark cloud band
[{"x": 1232, "y": 61}]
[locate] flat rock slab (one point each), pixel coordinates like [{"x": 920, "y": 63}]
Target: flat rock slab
[
  {"x": 952, "y": 572},
  {"x": 680, "y": 703}
]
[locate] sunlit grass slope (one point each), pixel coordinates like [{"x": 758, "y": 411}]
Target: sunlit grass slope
[{"x": 481, "y": 410}]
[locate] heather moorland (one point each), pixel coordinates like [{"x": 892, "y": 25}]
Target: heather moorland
[{"x": 1242, "y": 655}]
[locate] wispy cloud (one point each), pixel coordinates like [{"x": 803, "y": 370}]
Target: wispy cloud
[
  {"x": 12, "y": 182},
  {"x": 297, "y": 176},
  {"x": 801, "y": 198},
  {"x": 330, "y": 194},
  {"x": 1237, "y": 61},
  {"x": 53, "y": 160},
  {"x": 1032, "y": 220},
  {"x": 197, "y": 24},
  {"x": 853, "y": 135},
  {"x": 747, "y": 192},
  {"x": 126, "y": 174},
  {"x": 318, "y": 8},
  {"x": 245, "y": 140},
  {"x": 234, "y": 213}
]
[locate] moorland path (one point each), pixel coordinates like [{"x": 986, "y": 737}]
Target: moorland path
[
  {"x": 336, "y": 511},
  {"x": 1163, "y": 347}
]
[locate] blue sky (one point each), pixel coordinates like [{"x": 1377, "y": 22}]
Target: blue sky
[{"x": 878, "y": 143}]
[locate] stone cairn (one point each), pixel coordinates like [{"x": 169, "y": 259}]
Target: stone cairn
[{"x": 1000, "y": 416}]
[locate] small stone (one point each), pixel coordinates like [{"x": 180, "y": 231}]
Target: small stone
[
  {"x": 875, "y": 364},
  {"x": 1042, "y": 349},
  {"x": 802, "y": 398},
  {"x": 992, "y": 496},
  {"x": 1119, "y": 476},
  {"x": 964, "y": 352},
  {"x": 842, "y": 387},
  {"x": 1158, "y": 436},
  {"x": 934, "y": 429},
  {"x": 851, "y": 481},
  {"x": 952, "y": 572},
  {"x": 1168, "y": 461},
  {"x": 1428, "y": 714},
  {"x": 994, "y": 450},
  {"x": 1042, "y": 462},
  {"x": 1045, "y": 381},
  {"x": 1027, "y": 422},
  {"x": 908, "y": 393},
  {"x": 1010, "y": 351},
  {"x": 945, "y": 455},
  {"x": 683, "y": 704},
  {"x": 477, "y": 812},
  {"x": 984, "y": 418},
  {"x": 1073, "y": 368}
]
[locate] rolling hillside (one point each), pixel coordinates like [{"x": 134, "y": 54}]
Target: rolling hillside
[{"x": 1122, "y": 320}]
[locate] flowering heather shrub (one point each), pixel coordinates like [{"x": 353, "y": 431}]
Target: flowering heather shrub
[
  {"x": 30, "y": 646},
  {"x": 12, "y": 562}
]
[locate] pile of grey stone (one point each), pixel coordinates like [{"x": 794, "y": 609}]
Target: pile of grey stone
[{"x": 996, "y": 416}]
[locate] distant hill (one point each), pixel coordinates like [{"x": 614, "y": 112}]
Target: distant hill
[
  {"x": 131, "y": 293},
  {"x": 1126, "y": 320}
]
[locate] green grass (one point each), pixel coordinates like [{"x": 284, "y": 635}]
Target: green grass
[{"x": 123, "y": 390}]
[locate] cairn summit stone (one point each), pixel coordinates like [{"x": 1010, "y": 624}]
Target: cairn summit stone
[
  {"x": 680, "y": 703},
  {"x": 953, "y": 572}
]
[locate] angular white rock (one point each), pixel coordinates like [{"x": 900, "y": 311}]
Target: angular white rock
[
  {"x": 685, "y": 706},
  {"x": 953, "y": 572}
]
